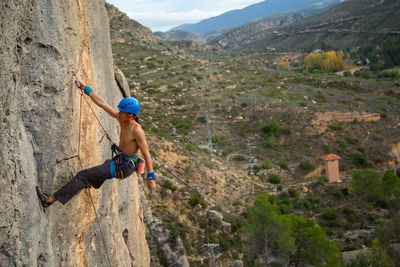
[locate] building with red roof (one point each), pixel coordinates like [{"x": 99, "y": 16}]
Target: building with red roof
[{"x": 332, "y": 168}]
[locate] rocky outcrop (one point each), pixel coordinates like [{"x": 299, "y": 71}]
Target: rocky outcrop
[
  {"x": 41, "y": 43},
  {"x": 121, "y": 82},
  {"x": 160, "y": 239},
  {"x": 237, "y": 263},
  {"x": 324, "y": 119},
  {"x": 215, "y": 216},
  {"x": 126, "y": 30}
]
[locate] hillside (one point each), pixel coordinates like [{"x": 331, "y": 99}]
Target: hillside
[
  {"x": 235, "y": 18},
  {"x": 286, "y": 119},
  {"x": 242, "y": 36},
  {"x": 350, "y": 24},
  {"x": 125, "y": 30}
]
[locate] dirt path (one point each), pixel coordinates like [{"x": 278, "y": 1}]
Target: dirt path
[{"x": 341, "y": 73}]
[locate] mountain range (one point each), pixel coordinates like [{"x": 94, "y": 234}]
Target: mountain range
[
  {"x": 234, "y": 18},
  {"x": 347, "y": 25},
  {"x": 239, "y": 37}
]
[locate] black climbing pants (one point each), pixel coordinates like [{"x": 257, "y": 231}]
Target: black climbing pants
[{"x": 91, "y": 177}]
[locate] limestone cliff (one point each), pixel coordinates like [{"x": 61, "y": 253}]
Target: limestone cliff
[{"x": 41, "y": 43}]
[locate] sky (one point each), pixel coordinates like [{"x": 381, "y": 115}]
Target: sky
[{"x": 162, "y": 15}]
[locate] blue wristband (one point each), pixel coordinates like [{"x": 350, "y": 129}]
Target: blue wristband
[
  {"x": 87, "y": 90},
  {"x": 151, "y": 176}
]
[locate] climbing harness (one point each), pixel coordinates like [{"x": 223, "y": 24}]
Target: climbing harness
[{"x": 122, "y": 161}]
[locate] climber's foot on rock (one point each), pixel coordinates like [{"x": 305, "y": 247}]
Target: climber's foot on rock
[{"x": 43, "y": 197}]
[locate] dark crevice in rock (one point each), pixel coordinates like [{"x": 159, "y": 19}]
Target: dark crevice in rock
[
  {"x": 125, "y": 235},
  {"x": 27, "y": 40},
  {"x": 49, "y": 48}
]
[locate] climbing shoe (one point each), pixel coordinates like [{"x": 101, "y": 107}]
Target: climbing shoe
[{"x": 42, "y": 197}]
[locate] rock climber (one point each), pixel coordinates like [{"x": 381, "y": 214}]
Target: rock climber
[{"x": 126, "y": 161}]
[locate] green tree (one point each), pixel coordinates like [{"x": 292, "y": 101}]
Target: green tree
[
  {"x": 388, "y": 233},
  {"x": 391, "y": 51},
  {"x": 272, "y": 128},
  {"x": 361, "y": 260},
  {"x": 306, "y": 165},
  {"x": 391, "y": 184},
  {"x": 367, "y": 184},
  {"x": 290, "y": 239},
  {"x": 360, "y": 158},
  {"x": 371, "y": 53},
  {"x": 274, "y": 179},
  {"x": 312, "y": 246},
  {"x": 266, "y": 235},
  {"x": 378, "y": 255}
]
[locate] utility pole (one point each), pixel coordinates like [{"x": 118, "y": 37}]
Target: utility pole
[
  {"x": 255, "y": 108},
  {"x": 250, "y": 157},
  {"x": 209, "y": 138},
  {"x": 249, "y": 146},
  {"x": 213, "y": 256}
]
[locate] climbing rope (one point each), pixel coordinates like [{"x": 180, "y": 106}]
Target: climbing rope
[{"x": 77, "y": 82}]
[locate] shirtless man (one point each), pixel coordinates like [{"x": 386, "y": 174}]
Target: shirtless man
[{"x": 132, "y": 138}]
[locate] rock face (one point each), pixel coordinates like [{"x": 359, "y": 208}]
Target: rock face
[
  {"x": 41, "y": 43},
  {"x": 213, "y": 215}
]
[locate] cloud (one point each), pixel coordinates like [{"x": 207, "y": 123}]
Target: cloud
[
  {"x": 162, "y": 21},
  {"x": 163, "y": 15}
]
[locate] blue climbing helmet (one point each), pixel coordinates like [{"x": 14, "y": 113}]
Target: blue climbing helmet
[{"x": 129, "y": 105}]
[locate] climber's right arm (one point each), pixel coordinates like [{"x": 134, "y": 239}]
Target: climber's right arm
[{"x": 98, "y": 100}]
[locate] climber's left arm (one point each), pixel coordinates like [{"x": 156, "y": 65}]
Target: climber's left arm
[{"x": 140, "y": 138}]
